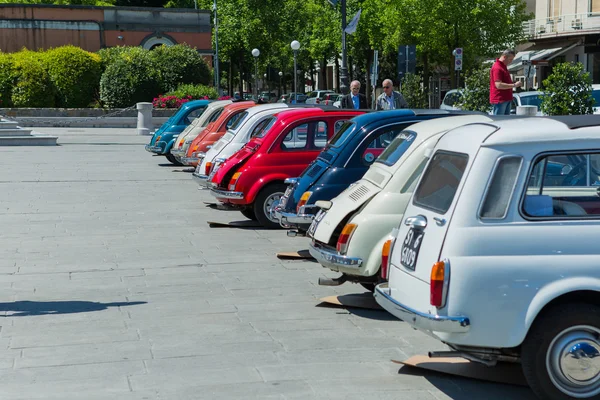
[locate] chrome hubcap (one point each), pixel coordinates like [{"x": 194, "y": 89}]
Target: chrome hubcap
[
  {"x": 573, "y": 361},
  {"x": 270, "y": 203}
]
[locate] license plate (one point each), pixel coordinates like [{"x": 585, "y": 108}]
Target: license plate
[
  {"x": 410, "y": 248},
  {"x": 313, "y": 226}
]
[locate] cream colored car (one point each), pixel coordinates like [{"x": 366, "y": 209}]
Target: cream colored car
[{"x": 213, "y": 110}]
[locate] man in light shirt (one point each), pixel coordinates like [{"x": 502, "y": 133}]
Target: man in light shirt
[
  {"x": 390, "y": 99},
  {"x": 354, "y": 99}
]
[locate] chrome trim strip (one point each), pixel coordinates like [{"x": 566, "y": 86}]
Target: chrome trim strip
[
  {"x": 326, "y": 257},
  {"x": 226, "y": 194}
]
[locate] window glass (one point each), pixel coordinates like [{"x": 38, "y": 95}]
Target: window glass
[
  {"x": 564, "y": 186},
  {"x": 338, "y": 125},
  {"x": 262, "y": 131},
  {"x": 397, "y": 147},
  {"x": 194, "y": 114},
  {"x": 215, "y": 115},
  {"x": 344, "y": 133},
  {"x": 320, "y": 136},
  {"x": 440, "y": 181},
  {"x": 411, "y": 182},
  {"x": 296, "y": 138},
  {"x": 233, "y": 120},
  {"x": 495, "y": 203},
  {"x": 238, "y": 122}
]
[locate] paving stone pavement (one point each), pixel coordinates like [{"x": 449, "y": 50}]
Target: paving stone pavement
[{"x": 114, "y": 287}]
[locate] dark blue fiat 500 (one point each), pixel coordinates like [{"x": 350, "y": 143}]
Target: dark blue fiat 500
[{"x": 344, "y": 161}]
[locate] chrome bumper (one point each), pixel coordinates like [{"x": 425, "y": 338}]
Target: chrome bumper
[
  {"x": 226, "y": 194},
  {"x": 331, "y": 259},
  {"x": 190, "y": 160},
  {"x": 201, "y": 180},
  {"x": 425, "y": 322},
  {"x": 178, "y": 153},
  {"x": 287, "y": 220},
  {"x": 154, "y": 149}
]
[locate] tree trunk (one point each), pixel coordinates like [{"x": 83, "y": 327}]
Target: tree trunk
[
  {"x": 230, "y": 79},
  {"x": 337, "y": 74},
  {"x": 368, "y": 88},
  {"x": 241, "y": 75},
  {"x": 426, "y": 76},
  {"x": 325, "y": 73},
  {"x": 350, "y": 69}
]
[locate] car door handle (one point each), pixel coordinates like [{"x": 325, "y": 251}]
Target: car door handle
[
  {"x": 439, "y": 221},
  {"x": 418, "y": 221}
]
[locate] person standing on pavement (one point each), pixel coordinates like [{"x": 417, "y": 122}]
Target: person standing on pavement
[
  {"x": 390, "y": 99},
  {"x": 354, "y": 99},
  {"x": 501, "y": 84}
]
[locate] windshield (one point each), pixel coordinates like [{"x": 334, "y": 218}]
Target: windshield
[
  {"x": 397, "y": 148},
  {"x": 342, "y": 134},
  {"x": 238, "y": 122},
  {"x": 533, "y": 100},
  {"x": 263, "y": 127},
  {"x": 596, "y": 96}
]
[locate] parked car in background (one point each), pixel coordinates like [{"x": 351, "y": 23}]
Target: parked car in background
[
  {"x": 344, "y": 161},
  {"x": 213, "y": 110},
  {"x": 252, "y": 180},
  {"x": 596, "y": 96},
  {"x": 231, "y": 113},
  {"x": 317, "y": 96},
  {"x": 349, "y": 232},
  {"x": 497, "y": 255},
  {"x": 529, "y": 98},
  {"x": 163, "y": 139},
  {"x": 451, "y": 100},
  {"x": 331, "y": 98},
  {"x": 267, "y": 97}
]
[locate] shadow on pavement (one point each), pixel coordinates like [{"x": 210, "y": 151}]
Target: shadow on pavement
[
  {"x": 29, "y": 308},
  {"x": 458, "y": 388},
  {"x": 376, "y": 315}
]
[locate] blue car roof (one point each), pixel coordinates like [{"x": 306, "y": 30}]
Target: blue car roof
[{"x": 195, "y": 103}]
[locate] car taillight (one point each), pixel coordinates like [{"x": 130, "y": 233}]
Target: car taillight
[
  {"x": 438, "y": 284},
  {"x": 158, "y": 139},
  {"x": 207, "y": 168},
  {"x": 303, "y": 200},
  {"x": 234, "y": 180},
  {"x": 385, "y": 258},
  {"x": 317, "y": 100},
  {"x": 342, "y": 244}
]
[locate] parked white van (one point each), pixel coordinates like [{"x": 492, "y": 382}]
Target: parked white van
[
  {"x": 237, "y": 136},
  {"x": 349, "y": 235},
  {"x": 497, "y": 254}
]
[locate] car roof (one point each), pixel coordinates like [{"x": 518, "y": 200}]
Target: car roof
[
  {"x": 264, "y": 107},
  {"x": 523, "y": 129},
  {"x": 239, "y": 105},
  {"x": 308, "y": 111},
  {"x": 195, "y": 103}
]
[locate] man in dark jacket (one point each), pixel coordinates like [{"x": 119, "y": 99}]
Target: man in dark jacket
[{"x": 354, "y": 99}]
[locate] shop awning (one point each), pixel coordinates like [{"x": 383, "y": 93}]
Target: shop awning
[{"x": 538, "y": 55}]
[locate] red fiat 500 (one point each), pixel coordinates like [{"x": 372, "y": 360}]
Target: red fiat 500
[{"x": 253, "y": 178}]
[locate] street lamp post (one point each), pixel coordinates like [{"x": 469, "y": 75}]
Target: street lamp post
[
  {"x": 295, "y": 45},
  {"x": 256, "y": 53},
  {"x": 266, "y": 82},
  {"x": 344, "y": 69},
  {"x": 216, "y": 67},
  {"x": 280, "y": 75}
]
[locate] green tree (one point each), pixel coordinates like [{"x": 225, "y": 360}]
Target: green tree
[
  {"x": 179, "y": 64},
  {"x": 412, "y": 90},
  {"x": 568, "y": 91},
  {"x": 476, "y": 95}
]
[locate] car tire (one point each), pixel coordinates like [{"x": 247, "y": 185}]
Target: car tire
[
  {"x": 172, "y": 159},
  {"x": 266, "y": 196},
  {"x": 249, "y": 213},
  {"x": 559, "y": 351}
]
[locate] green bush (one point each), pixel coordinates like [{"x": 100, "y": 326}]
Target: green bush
[
  {"x": 33, "y": 86},
  {"x": 130, "y": 79},
  {"x": 180, "y": 64},
  {"x": 111, "y": 54},
  {"x": 75, "y": 74},
  {"x": 7, "y": 80},
  {"x": 412, "y": 90},
  {"x": 568, "y": 91},
  {"x": 195, "y": 91},
  {"x": 476, "y": 95}
]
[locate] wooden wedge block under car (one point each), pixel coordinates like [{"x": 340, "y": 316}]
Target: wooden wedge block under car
[
  {"x": 234, "y": 224},
  {"x": 356, "y": 300},
  {"x": 295, "y": 255}
]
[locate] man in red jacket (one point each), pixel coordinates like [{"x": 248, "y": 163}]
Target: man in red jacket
[{"x": 501, "y": 85}]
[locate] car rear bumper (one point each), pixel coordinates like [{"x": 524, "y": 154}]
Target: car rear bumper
[
  {"x": 226, "y": 194},
  {"x": 419, "y": 320},
  {"x": 157, "y": 148},
  {"x": 201, "y": 180},
  {"x": 193, "y": 161},
  {"x": 292, "y": 220},
  {"x": 331, "y": 259}
]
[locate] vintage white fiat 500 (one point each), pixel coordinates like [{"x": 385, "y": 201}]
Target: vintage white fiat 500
[
  {"x": 349, "y": 235},
  {"x": 498, "y": 253}
]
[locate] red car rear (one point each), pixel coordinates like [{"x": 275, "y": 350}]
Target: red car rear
[{"x": 253, "y": 178}]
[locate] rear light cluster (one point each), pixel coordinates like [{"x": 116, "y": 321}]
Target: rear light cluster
[
  {"x": 440, "y": 275},
  {"x": 385, "y": 258},
  {"x": 234, "y": 180},
  {"x": 207, "y": 168},
  {"x": 303, "y": 200},
  {"x": 344, "y": 239}
]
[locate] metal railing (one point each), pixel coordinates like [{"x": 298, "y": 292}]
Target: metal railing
[{"x": 563, "y": 25}]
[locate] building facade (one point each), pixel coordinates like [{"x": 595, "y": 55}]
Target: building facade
[
  {"x": 38, "y": 26},
  {"x": 563, "y": 30}
]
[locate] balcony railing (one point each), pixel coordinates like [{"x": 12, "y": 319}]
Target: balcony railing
[{"x": 564, "y": 25}]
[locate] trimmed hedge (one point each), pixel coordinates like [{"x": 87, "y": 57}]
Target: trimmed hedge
[
  {"x": 33, "y": 86},
  {"x": 7, "y": 80},
  {"x": 194, "y": 92},
  {"x": 179, "y": 64},
  {"x": 75, "y": 74},
  {"x": 131, "y": 78}
]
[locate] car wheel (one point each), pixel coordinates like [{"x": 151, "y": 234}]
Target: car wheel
[
  {"x": 249, "y": 213},
  {"x": 561, "y": 354},
  {"x": 268, "y": 196},
  {"x": 172, "y": 159}
]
